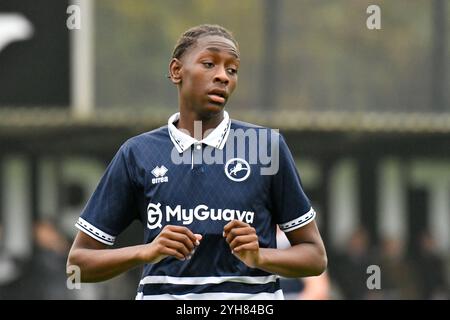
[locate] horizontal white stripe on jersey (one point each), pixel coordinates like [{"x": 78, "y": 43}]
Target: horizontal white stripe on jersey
[
  {"x": 207, "y": 280},
  {"x": 298, "y": 222},
  {"x": 277, "y": 295},
  {"x": 94, "y": 232}
]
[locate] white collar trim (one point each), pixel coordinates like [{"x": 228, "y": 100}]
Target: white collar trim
[{"x": 215, "y": 138}]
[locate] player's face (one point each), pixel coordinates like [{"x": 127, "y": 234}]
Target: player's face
[{"x": 208, "y": 75}]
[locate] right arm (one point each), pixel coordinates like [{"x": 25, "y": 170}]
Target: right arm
[{"x": 97, "y": 263}]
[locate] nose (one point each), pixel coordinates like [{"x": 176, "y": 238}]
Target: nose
[{"x": 221, "y": 76}]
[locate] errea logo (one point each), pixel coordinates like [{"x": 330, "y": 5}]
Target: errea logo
[{"x": 159, "y": 175}]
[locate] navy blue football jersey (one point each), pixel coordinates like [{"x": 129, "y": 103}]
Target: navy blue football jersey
[{"x": 166, "y": 177}]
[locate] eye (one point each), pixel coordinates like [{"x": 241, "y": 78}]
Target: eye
[
  {"x": 232, "y": 71},
  {"x": 208, "y": 65}
]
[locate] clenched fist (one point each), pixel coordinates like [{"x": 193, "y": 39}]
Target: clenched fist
[{"x": 243, "y": 242}]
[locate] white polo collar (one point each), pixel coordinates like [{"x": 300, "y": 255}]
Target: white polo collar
[{"x": 183, "y": 141}]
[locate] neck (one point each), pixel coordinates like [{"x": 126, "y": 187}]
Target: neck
[{"x": 196, "y": 124}]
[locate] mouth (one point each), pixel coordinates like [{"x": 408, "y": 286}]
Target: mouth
[{"x": 218, "y": 96}]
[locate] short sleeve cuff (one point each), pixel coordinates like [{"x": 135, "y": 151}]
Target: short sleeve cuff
[
  {"x": 298, "y": 222},
  {"x": 94, "y": 232}
]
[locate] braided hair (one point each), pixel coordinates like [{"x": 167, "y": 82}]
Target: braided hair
[{"x": 190, "y": 37}]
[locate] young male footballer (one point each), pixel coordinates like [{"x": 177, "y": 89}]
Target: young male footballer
[{"x": 208, "y": 204}]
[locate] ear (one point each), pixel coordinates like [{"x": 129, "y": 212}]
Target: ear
[{"x": 175, "y": 67}]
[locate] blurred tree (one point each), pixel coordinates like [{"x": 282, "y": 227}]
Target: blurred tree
[
  {"x": 323, "y": 53},
  {"x": 135, "y": 39},
  {"x": 269, "y": 80},
  {"x": 438, "y": 59}
]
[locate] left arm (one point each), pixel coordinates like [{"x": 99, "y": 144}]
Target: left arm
[{"x": 306, "y": 256}]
